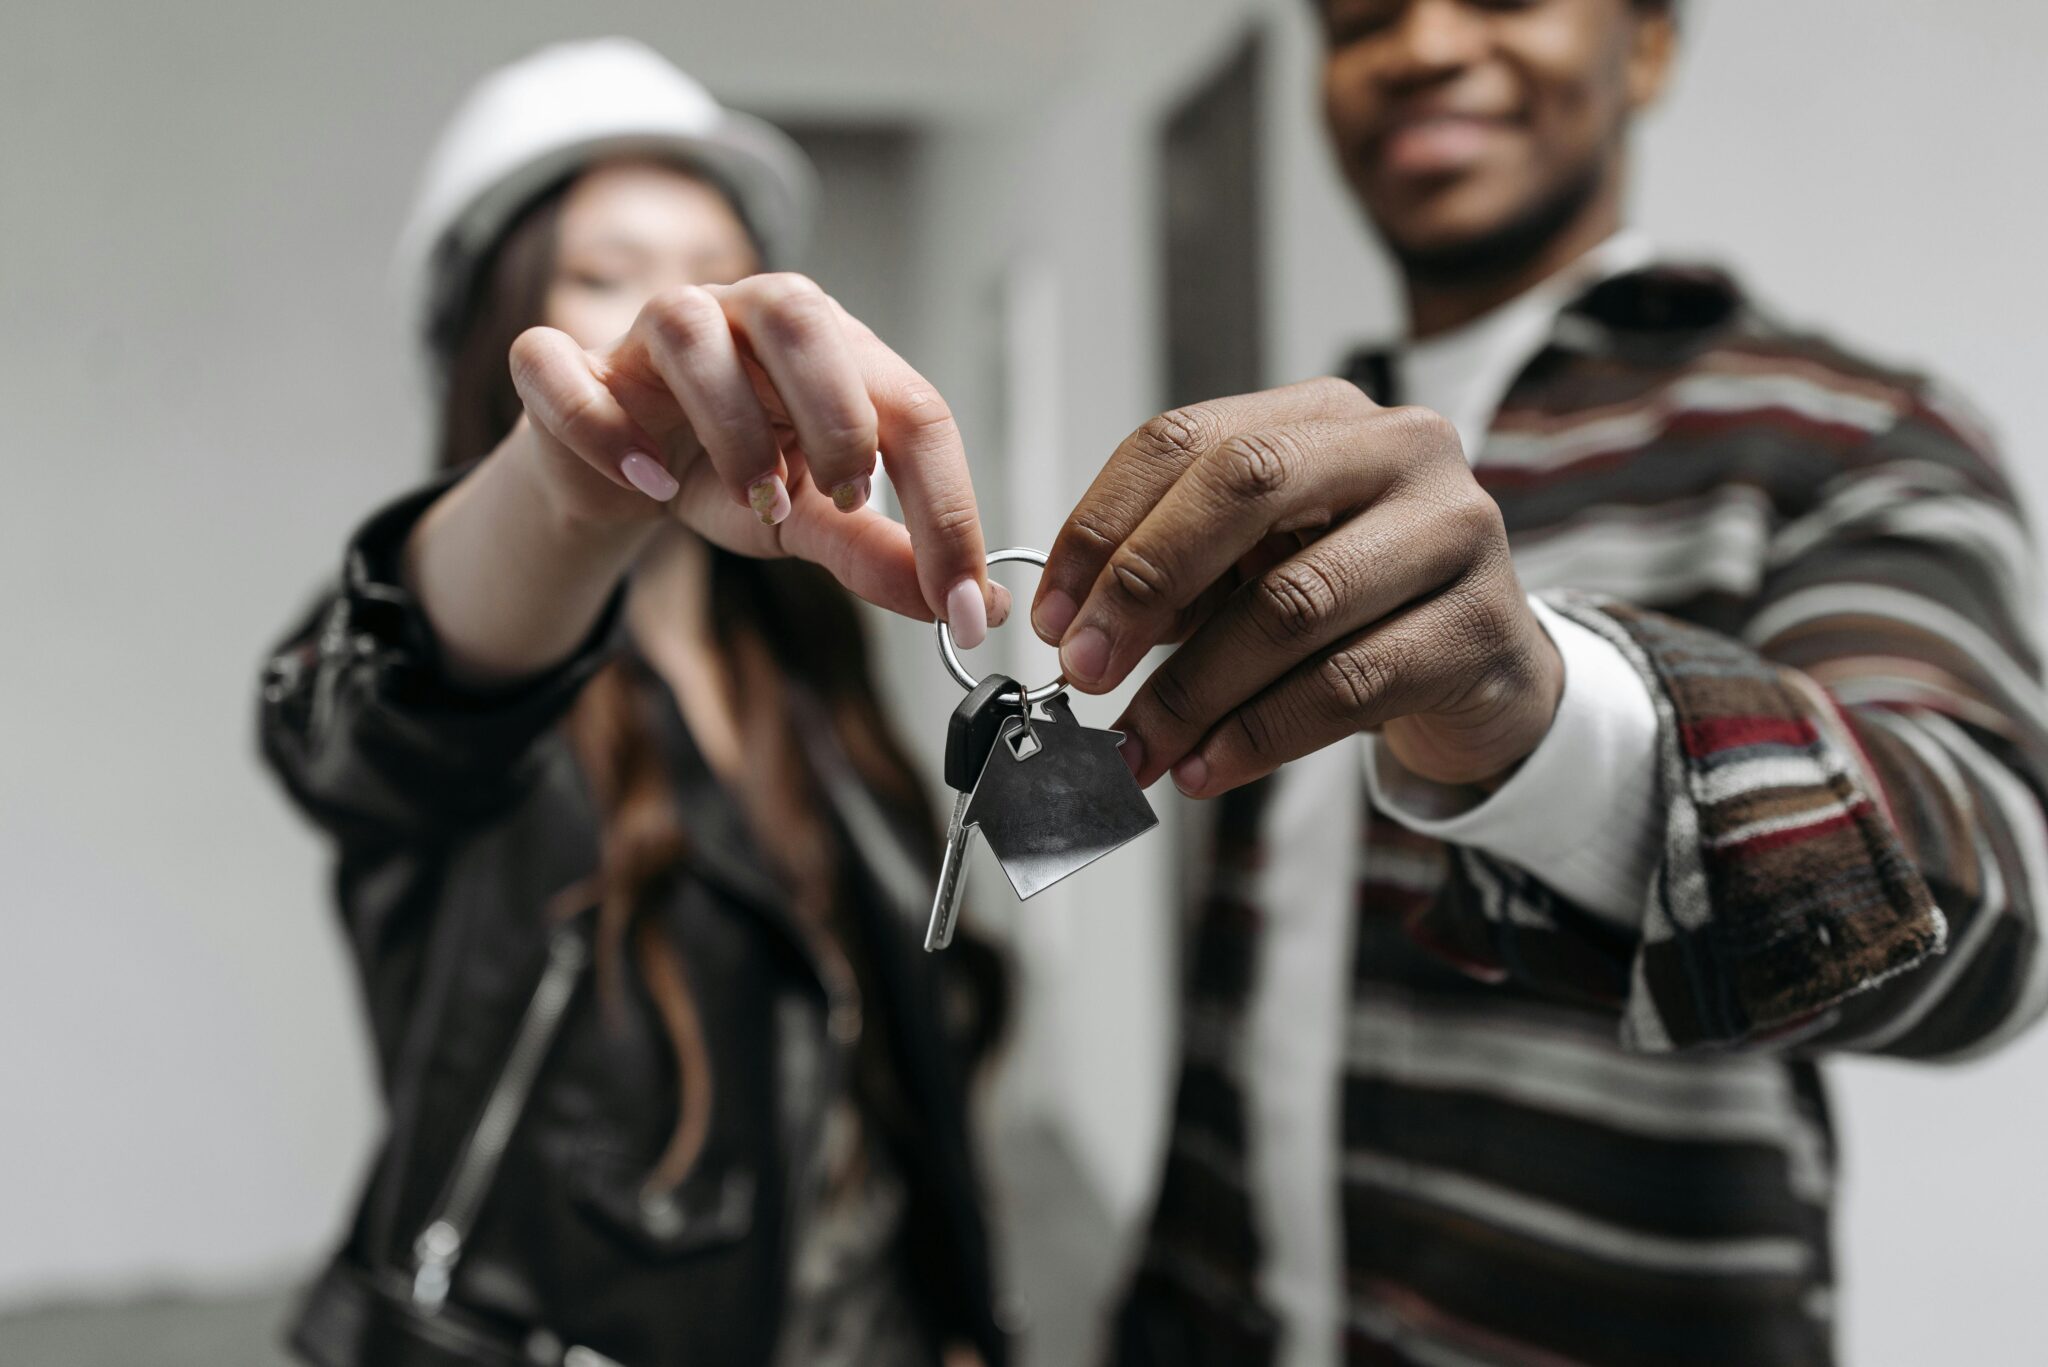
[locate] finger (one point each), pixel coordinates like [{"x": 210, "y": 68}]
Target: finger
[
  {"x": 1293, "y": 477},
  {"x": 1327, "y": 591},
  {"x": 1138, "y": 474},
  {"x": 926, "y": 462},
  {"x": 572, "y": 410},
  {"x": 798, "y": 335},
  {"x": 1386, "y": 671},
  {"x": 865, "y": 550},
  {"x": 686, "y": 338}
]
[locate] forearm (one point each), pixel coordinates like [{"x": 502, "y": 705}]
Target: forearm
[
  {"x": 1817, "y": 856},
  {"x": 510, "y": 582}
]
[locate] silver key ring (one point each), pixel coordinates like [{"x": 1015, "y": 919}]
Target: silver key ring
[{"x": 1032, "y": 696}]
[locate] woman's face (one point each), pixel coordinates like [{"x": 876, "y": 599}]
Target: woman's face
[{"x": 630, "y": 229}]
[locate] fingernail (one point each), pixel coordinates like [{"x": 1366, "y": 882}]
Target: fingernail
[
  {"x": 999, "y": 612},
  {"x": 1190, "y": 775},
  {"x": 1085, "y": 655},
  {"x": 1053, "y": 615},
  {"x": 768, "y": 496},
  {"x": 851, "y": 494},
  {"x": 966, "y": 614},
  {"x": 1133, "y": 751},
  {"x": 648, "y": 475}
]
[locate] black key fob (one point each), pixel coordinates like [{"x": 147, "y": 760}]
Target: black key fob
[{"x": 975, "y": 724}]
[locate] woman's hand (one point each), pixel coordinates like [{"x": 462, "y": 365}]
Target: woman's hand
[
  {"x": 1333, "y": 567},
  {"x": 753, "y": 413}
]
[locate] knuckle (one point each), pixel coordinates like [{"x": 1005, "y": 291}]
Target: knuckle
[
  {"x": 1350, "y": 682},
  {"x": 779, "y": 285},
  {"x": 951, "y": 521},
  {"x": 1093, "y": 532},
  {"x": 1175, "y": 438},
  {"x": 847, "y": 436},
  {"x": 1142, "y": 582},
  {"x": 1478, "y": 516},
  {"x": 925, "y": 412},
  {"x": 796, "y": 318},
  {"x": 1423, "y": 433},
  {"x": 1253, "y": 466},
  {"x": 529, "y": 357},
  {"x": 1297, "y": 601},
  {"x": 683, "y": 318},
  {"x": 1337, "y": 392}
]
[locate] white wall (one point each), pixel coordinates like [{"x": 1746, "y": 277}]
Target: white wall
[
  {"x": 1899, "y": 203},
  {"x": 200, "y": 388}
]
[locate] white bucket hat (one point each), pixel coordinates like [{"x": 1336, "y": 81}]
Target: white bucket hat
[{"x": 526, "y": 125}]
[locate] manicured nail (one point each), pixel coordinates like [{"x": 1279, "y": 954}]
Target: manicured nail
[
  {"x": 648, "y": 475},
  {"x": 999, "y": 609},
  {"x": 1085, "y": 655},
  {"x": 1190, "y": 775},
  {"x": 768, "y": 496},
  {"x": 966, "y": 614},
  {"x": 1133, "y": 751},
  {"x": 852, "y": 494},
  {"x": 1053, "y": 615}
]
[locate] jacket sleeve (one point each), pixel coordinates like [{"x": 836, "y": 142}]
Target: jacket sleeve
[
  {"x": 1854, "y": 853},
  {"x": 391, "y": 762},
  {"x": 365, "y": 732}
]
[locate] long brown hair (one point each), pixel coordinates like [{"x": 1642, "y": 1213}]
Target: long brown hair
[{"x": 781, "y": 625}]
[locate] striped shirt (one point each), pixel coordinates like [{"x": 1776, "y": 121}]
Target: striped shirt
[{"x": 1568, "y": 1141}]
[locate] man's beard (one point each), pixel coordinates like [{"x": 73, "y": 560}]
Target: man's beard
[{"x": 1507, "y": 250}]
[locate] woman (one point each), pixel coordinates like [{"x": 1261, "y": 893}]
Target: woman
[{"x": 551, "y": 718}]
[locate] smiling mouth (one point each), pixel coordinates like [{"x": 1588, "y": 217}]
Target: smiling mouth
[{"x": 1436, "y": 144}]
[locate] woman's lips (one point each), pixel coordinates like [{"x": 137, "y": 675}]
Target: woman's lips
[{"x": 1437, "y": 146}]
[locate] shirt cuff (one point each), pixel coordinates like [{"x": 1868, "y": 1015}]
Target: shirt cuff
[{"x": 1582, "y": 813}]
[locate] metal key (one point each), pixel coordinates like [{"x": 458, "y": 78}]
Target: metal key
[
  {"x": 1050, "y": 795},
  {"x": 971, "y": 735}
]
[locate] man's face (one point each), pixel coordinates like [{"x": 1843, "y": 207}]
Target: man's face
[{"x": 1459, "y": 122}]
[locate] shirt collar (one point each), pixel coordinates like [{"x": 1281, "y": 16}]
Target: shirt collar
[
  {"x": 1627, "y": 250},
  {"x": 1466, "y": 372}
]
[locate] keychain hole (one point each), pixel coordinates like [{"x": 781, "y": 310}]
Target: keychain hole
[{"x": 1023, "y": 744}]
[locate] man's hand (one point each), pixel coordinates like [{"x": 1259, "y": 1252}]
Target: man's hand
[{"x": 1330, "y": 566}]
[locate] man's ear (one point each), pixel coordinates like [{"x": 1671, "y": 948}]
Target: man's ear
[{"x": 1652, "y": 46}]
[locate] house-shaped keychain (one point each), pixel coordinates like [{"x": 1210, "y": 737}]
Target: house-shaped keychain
[{"x": 1054, "y": 797}]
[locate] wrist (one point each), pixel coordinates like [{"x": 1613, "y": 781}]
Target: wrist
[
  {"x": 1481, "y": 743},
  {"x": 1532, "y": 711},
  {"x": 509, "y": 579},
  {"x": 1545, "y": 694}
]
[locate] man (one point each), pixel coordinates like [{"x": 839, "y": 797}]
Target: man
[{"x": 1501, "y": 1036}]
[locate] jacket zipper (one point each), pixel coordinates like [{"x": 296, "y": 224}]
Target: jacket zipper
[{"x": 438, "y": 1248}]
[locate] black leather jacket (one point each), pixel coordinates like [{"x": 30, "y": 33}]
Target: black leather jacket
[{"x": 456, "y": 821}]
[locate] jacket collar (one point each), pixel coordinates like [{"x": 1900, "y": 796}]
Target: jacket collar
[
  {"x": 721, "y": 848},
  {"x": 1647, "y": 313},
  {"x": 1656, "y": 309}
]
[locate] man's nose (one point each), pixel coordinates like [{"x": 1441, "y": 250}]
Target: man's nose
[{"x": 1433, "y": 39}]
